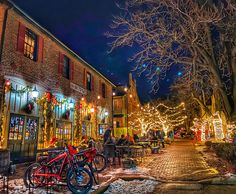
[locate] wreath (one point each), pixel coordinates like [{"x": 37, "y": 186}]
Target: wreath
[{"x": 29, "y": 107}]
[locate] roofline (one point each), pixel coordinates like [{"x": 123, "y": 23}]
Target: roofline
[{"x": 27, "y": 17}]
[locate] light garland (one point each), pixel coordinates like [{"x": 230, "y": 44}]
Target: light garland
[
  {"x": 218, "y": 126},
  {"x": 150, "y": 116}
]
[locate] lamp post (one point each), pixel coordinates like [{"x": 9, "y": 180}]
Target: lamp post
[
  {"x": 112, "y": 112},
  {"x": 35, "y": 93},
  {"x": 127, "y": 108}
]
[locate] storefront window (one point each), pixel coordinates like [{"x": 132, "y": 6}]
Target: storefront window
[
  {"x": 31, "y": 128},
  {"x": 87, "y": 128},
  {"x": 16, "y": 127},
  {"x": 63, "y": 132}
]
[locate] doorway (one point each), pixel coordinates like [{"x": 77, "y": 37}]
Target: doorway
[{"x": 22, "y": 137}]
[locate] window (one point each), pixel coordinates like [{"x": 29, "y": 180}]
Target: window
[
  {"x": 30, "y": 45},
  {"x": 103, "y": 90},
  {"x": 117, "y": 106},
  {"x": 66, "y": 67},
  {"x": 89, "y": 82},
  {"x": 117, "y": 124}
]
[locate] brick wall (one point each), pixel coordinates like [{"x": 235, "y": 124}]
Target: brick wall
[{"x": 45, "y": 73}]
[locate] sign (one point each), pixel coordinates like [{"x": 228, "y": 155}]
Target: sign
[{"x": 78, "y": 88}]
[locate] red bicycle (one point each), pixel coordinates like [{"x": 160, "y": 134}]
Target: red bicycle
[
  {"x": 78, "y": 178},
  {"x": 99, "y": 162}
]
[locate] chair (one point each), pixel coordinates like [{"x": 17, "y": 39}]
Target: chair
[{"x": 111, "y": 152}]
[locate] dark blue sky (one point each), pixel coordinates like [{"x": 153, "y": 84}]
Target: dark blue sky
[{"x": 81, "y": 25}]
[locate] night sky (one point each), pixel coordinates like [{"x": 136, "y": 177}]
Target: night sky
[{"x": 81, "y": 24}]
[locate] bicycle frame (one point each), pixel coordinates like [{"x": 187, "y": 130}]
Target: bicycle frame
[
  {"x": 88, "y": 157},
  {"x": 66, "y": 159}
]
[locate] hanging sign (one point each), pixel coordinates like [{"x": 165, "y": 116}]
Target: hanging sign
[{"x": 78, "y": 88}]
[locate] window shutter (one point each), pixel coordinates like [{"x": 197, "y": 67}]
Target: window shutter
[
  {"x": 85, "y": 78},
  {"x": 72, "y": 67},
  {"x": 40, "y": 49},
  {"x": 21, "y": 38},
  {"x": 92, "y": 79},
  {"x": 60, "y": 63},
  {"x": 100, "y": 87},
  {"x": 105, "y": 90}
]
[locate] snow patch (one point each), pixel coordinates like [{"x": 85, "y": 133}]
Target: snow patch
[{"x": 130, "y": 187}]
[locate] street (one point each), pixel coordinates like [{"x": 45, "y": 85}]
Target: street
[{"x": 178, "y": 168}]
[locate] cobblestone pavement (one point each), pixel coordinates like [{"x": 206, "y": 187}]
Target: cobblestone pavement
[
  {"x": 179, "y": 162},
  {"x": 179, "y": 167}
]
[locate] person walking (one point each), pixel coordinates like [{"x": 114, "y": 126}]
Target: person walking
[
  {"x": 162, "y": 137},
  {"x": 106, "y": 135}
]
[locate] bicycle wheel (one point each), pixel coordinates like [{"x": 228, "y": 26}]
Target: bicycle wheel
[
  {"x": 79, "y": 181},
  {"x": 99, "y": 163},
  {"x": 29, "y": 179}
]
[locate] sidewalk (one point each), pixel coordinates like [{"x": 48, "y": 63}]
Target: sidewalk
[{"x": 179, "y": 162}]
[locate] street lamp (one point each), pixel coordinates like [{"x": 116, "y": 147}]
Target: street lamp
[
  {"x": 71, "y": 104},
  {"x": 35, "y": 93},
  {"x": 92, "y": 110}
]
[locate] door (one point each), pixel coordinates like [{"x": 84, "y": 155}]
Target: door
[
  {"x": 29, "y": 148},
  {"x": 22, "y": 138},
  {"x": 63, "y": 133}
]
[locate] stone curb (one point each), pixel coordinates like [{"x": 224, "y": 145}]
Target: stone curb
[
  {"x": 182, "y": 186},
  {"x": 220, "y": 181}
]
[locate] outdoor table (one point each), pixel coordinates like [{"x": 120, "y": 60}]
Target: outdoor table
[
  {"x": 136, "y": 151},
  {"x": 143, "y": 143},
  {"x": 122, "y": 149}
]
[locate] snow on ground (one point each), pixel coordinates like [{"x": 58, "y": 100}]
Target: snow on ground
[
  {"x": 130, "y": 187},
  {"x": 16, "y": 186}
]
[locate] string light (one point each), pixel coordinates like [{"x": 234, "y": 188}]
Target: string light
[{"x": 160, "y": 116}]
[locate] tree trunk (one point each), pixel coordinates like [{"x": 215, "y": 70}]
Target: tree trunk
[
  {"x": 227, "y": 107},
  {"x": 233, "y": 115},
  {"x": 202, "y": 105}
]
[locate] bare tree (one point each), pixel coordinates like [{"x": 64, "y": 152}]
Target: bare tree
[
  {"x": 157, "y": 115},
  {"x": 198, "y": 35}
]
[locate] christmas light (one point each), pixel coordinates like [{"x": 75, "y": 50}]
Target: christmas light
[
  {"x": 8, "y": 83},
  {"x": 92, "y": 109},
  {"x": 160, "y": 116},
  {"x": 218, "y": 127}
]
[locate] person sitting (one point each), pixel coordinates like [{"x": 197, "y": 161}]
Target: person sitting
[
  {"x": 122, "y": 140},
  {"x": 136, "y": 138},
  {"x": 130, "y": 139}
]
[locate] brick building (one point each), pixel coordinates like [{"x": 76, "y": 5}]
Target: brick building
[
  {"x": 125, "y": 101},
  {"x": 47, "y": 90}
]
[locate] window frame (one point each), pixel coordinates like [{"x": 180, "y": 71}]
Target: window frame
[
  {"x": 66, "y": 67},
  {"x": 103, "y": 90},
  {"x": 89, "y": 83},
  {"x": 32, "y": 39}
]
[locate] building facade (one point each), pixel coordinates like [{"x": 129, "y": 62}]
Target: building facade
[
  {"x": 125, "y": 101},
  {"x": 47, "y": 91}
]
